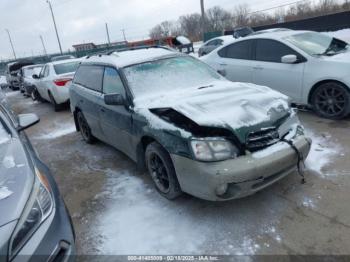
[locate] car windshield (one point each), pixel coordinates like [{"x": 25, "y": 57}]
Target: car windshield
[
  {"x": 65, "y": 68},
  {"x": 168, "y": 74},
  {"x": 317, "y": 44}
]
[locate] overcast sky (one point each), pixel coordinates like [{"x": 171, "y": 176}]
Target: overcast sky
[{"x": 81, "y": 21}]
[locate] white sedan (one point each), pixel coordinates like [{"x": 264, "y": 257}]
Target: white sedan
[
  {"x": 310, "y": 67},
  {"x": 54, "y": 79}
]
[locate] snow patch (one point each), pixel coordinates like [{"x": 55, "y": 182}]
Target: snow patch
[
  {"x": 308, "y": 203},
  {"x": 343, "y": 34},
  {"x": 61, "y": 130},
  {"x": 8, "y": 162},
  {"x": 4, "y": 192},
  {"x": 323, "y": 150}
]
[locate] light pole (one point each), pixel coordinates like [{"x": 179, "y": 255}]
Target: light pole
[
  {"x": 203, "y": 17},
  {"x": 42, "y": 42},
  {"x": 54, "y": 23},
  {"x": 13, "y": 49},
  {"x": 123, "y": 30},
  {"x": 107, "y": 31}
]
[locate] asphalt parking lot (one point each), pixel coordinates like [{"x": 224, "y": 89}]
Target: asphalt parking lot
[{"x": 116, "y": 210}]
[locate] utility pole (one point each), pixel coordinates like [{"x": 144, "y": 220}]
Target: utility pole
[
  {"x": 42, "y": 42},
  {"x": 203, "y": 17},
  {"x": 54, "y": 23},
  {"x": 123, "y": 30},
  {"x": 13, "y": 49},
  {"x": 107, "y": 31}
]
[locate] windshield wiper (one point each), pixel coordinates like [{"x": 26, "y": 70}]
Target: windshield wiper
[{"x": 202, "y": 87}]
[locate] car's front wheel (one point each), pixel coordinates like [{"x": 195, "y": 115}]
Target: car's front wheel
[
  {"x": 84, "y": 128},
  {"x": 331, "y": 100},
  {"x": 162, "y": 171}
]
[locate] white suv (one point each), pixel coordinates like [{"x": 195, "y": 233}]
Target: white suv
[
  {"x": 53, "y": 81},
  {"x": 310, "y": 67}
]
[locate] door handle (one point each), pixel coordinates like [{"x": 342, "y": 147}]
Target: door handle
[{"x": 258, "y": 67}]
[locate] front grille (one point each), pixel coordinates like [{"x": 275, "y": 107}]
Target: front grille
[{"x": 261, "y": 139}]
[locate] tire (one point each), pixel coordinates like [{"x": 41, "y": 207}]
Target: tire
[
  {"x": 34, "y": 95},
  {"x": 84, "y": 128},
  {"x": 162, "y": 171},
  {"x": 331, "y": 100},
  {"x": 55, "y": 105}
]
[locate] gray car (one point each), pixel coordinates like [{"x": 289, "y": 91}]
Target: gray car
[
  {"x": 34, "y": 222},
  {"x": 195, "y": 131},
  {"x": 212, "y": 44}
]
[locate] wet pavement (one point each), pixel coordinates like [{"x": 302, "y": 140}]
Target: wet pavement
[{"x": 116, "y": 209}]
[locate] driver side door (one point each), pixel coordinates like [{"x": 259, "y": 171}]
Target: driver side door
[{"x": 116, "y": 120}]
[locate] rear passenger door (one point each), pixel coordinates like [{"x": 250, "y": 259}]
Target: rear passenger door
[
  {"x": 116, "y": 119},
  {"x": 270, "y": 71},
  {"x": 41, "y": 84},
  {"x": 88, "y": 95},
  {"x": 235, "y": 61}
]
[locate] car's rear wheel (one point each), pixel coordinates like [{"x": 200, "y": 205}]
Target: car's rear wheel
[
  {"x": 162, "y": 171},
  {"x": 331, "y": 100},
  {"x": 84, "y": 128},
  {"x": 53, "y": 101}
]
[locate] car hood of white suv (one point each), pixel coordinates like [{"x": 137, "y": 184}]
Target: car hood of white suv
[{"x": 221, "y": 104}]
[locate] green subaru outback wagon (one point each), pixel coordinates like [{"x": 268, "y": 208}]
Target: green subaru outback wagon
[{"x": 193, "y": 130}]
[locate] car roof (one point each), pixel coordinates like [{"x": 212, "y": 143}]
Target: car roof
[
  {"x": 65, "y": 61},
  {"x": 279, "y": 34},
  {"x": 131, "y": 57}
]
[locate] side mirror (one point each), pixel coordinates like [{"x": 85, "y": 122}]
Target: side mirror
[
  {"x": 35, "y": 76},
  {"x": 289, "y": 59},
  {"x": 27, "y": 120},
  {"x": 114, "y": 99}
]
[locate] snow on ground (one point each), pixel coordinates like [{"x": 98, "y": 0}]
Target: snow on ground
[
  {"x": 137, "y": 220},
  {"x": 12, "y": 93},
  {"x": 58, "y": 130},
  {"x": 323, "y": 150},
  {"x": 343, "y": 34}
]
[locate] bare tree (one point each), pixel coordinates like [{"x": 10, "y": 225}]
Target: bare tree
[
  {"x": 164, "y": 29},
  {"x": 191, "y": 26},
  {"x": 218, "y": 19},
  {"x": 241, "y": 15}
]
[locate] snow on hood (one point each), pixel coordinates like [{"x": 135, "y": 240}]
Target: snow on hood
[{"x": 222, "y": 104}]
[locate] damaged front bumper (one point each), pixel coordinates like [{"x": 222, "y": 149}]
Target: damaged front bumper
[{"x": 240, "y": 177}]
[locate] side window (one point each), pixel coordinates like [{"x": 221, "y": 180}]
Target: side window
[
  {"x": 112, "y": 83},
  {"x": 42, "y": 72},
  {"x": 47, "y": 71},
  {"x": 240, "y": 50},
  {"x": 272, "y": 51},
  {"x": 211, "y": 43},
  {"x": 89, "y": 76}
]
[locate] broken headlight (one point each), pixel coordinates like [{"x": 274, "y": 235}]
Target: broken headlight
[
  {"x": 38, "y": 208},
  {"x": 213, "y": 149}
]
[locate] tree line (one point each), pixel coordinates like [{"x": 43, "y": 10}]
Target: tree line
[{"x": 219, "y": 19}]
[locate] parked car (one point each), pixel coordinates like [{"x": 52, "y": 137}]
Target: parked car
[
  {"x": 214, "y": 43},
  {"x": 27, "y": 82},
  {"x": 309, "y": 67},
  {"x": 195, "y": 131},
  {"x": 12, "y": 73},
  {"x": 62, "y": 57},
  {"x": 34, "y": 224},
  {"x": 53, "y": 81}
]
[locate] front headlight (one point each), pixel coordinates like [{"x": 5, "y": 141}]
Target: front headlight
[
  {"x": 38, "y": 208},
  {"x": 213, "y": 149}
]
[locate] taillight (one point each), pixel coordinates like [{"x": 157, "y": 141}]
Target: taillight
[{"x": 62, "y": 81}]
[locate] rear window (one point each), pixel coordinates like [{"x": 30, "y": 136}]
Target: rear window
[
  {"x": 90, "y": 76},
  {"x": 65, "y": 68},
  {"x": 28, "y": 72}
]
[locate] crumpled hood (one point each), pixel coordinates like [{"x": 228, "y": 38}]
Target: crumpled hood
[
  {"x": 224, "y": 104},
  {"x": 16, "y": 180},
  {"x": 341, "y": 57}
]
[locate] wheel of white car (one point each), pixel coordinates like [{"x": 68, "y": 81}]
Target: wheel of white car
[
  {"x": 55, "y": 105},
  {"x": 162, "y": 171},
  {"x": 34, "y": 95},
  {"x": 331, "y": 100}
]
